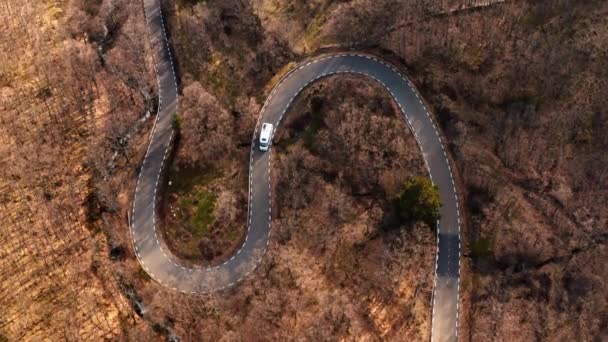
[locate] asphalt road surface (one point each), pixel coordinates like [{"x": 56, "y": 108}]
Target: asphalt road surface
[{"x": 166, "y": 269}]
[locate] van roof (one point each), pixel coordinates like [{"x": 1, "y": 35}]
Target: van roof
[{"x": 266, "y": 132}]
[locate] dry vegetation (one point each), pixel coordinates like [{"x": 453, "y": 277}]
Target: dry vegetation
[
  {"x": 331, "y": 271},
  {"x": 346, "y": 244},
  {"x": 71, "y": 96},
  {"x": 520, "y": 99},
  {"x": 517, "y": 87}
]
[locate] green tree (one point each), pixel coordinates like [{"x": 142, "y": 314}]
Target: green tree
[
  {"x": 419, "y": 201},
  {"x": 177, "y": 122}
]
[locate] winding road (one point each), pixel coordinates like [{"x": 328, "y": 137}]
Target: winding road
[{"x": 166, "y": 269}]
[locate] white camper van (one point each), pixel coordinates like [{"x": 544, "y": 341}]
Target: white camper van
[{"x": 265, "y": 136}]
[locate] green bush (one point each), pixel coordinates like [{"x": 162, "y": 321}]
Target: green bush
[
  {"x": 481, "y": 248},
  {"x": 419, "y": 201},
  {"x": 177, "y": 122},
  {"x": 310, "y": 136}
]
